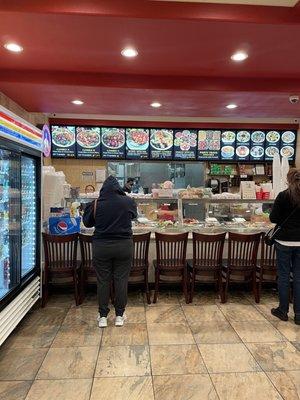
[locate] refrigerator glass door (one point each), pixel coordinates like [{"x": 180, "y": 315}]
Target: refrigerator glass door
[
  {"x": 29, "y": 214},
  {"x": 9, "y": 221}
]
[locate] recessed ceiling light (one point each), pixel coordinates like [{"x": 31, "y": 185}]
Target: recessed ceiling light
[
  {"x": 155, "y": 104},
  {"x": 129, "y": 52},
  {"x": 77, "y": 102},
  {"x": 239, "y": 56},
  {"x": 14, "y": 47},
  {"x": 231, "y": 106}
]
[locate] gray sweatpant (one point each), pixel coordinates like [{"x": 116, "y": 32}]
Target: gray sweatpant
[{"x": 112, "y": 259}]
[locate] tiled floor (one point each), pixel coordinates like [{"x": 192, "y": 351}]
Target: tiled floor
[{"x": 166, "y": 351}]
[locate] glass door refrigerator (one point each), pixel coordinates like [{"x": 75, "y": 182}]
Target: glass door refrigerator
[{"x": 20, "y": 221}]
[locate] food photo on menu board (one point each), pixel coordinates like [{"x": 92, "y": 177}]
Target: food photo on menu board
[
  {"x": 137, "y": 143},
  {"x": 228, "y": 145},
  {"x": 288, "y": 141},
  {"x": 63, "y": 141},
  {"x": 185, "y": 144},
  {"x": 161, "y": 144},
  {"x": 257, "y": 147},
  {"x": 209, "y": 144},
  {"x": 88, "y": 141},
  {"x": 113, "y": 143},
  {"x": 272, "y": 145},
  {"x": 242, "y": 149}
]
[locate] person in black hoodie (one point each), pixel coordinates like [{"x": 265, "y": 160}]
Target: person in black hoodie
[
  {"x": 287, "y": 205},
  {"x": 112, "y": 245}
]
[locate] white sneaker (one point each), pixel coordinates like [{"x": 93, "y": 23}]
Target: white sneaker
[
  {"x": 120, "y": 320},
  {"x": 102, "y": 322}
]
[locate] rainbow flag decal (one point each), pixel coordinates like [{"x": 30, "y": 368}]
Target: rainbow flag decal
[{"x": 17, "y": 129}]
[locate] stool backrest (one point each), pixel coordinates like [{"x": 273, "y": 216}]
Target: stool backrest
[
  {"x": 208, "y": 250},
  {"x": 60, "y": 251},
  {"x": 141, "y": 251},
  {"x": 242, "y": 250},
  {"x": 86, "y": 250},
  {"x": 171, "y": 250},
  {"x": 268, "y": 256}
]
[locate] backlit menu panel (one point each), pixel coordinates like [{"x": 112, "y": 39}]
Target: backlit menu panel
[
  {"x": 137, "y": 143},
  {"x": 63, "y": 141},
  {"x": 88, "y": 141},
  {"x": 113, "y": 143},
  {"x": 185, "y": 144},
  {"x": 209, "y": 144},
  {"x": 161, "y": 144}
]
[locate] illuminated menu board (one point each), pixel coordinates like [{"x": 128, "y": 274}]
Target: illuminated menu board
[
  {"x": 228, "y": 145},
  {"x": 137, "y": 143},
  {"x": 88, "y": 141},
  {"x": 113, "y": 143},
  {"x": 272, "y": 144},
  {"x": 242, "y": 145},
  {"x": 185, "y": 144},
  {"x": 288, "y": 143},
  {"x": 209, "y": 144},
  {"x": 161, "y": 144},
  {"x": 257, "y": 145},
  {"x": 63, "y": 141}
]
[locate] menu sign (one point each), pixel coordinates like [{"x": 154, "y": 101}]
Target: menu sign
[
  {"x": 228, "y": 145},
  {"x": 209, "y": 144},
  {"x": 63, "y": 141},
  {"x": 161, "y": 144},
  {"x": 257, "y": 149},
  {"x": 288, "y": 141},
  {"x": 272, "y": 145},
  {"x": 242, "y": 149},
  {"x": 137, "y": 143},
  {"x": 88, "y": 142},
  {"x": 113, "y": 143},
  {"x": 185, "y": 144}
]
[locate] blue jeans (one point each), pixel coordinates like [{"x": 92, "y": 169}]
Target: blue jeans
[{"x": 288, "y": 261}]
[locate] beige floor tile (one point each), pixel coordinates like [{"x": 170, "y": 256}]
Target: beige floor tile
[
  {"x": 67, "y": 389},
  {"x": 123, "y": 361},
  {"x": 166, "y": 298},
  {"x": 28, "y": 337},
  {"x": 183, "y": 387},
  {"x": 61, "y": 300},
  {"x": 135, "y": 298},
  {"x": 205, "y": 313},
  {"x": 246, "y": 386},
  {"x": 14, "y": 390},
  {"x": 20, "y": 365},
  {"x": 241, "y": 312},
  {"x": 90, "y": 300},
  {"x": 128, "y": 335},
  {"x": 176, "y": 359},
  {"x": 297, "y": 345},
  {"x": 266, "y": 310},
  {"x": 202, "y": 299},
  {"x": 83, "y": 316},
  {"x": 69, "y": 363},
  {"x": 257, "y": 332},
  {"x": 214, "y": 332},
  {"x": 165, "y": 314},
  {"x": 228, "y": 358},
  {"x": 276, "y": 356},
  {"x": 128, "y": 388},
  {"x": 46, "y": 316},
  {"x": 287, "y": 383},
  {"x": 161, "y": 334},
  {"x": 289, "y": 329},
  {"x": 134, "y": 315},
  {"x": 80, "y": 336}
]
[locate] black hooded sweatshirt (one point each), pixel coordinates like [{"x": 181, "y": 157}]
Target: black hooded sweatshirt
[{"x": 114, "y": 213}]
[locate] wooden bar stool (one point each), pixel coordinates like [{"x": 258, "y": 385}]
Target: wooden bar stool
[
  {"x": 61, "y": 266},
  {"x": 170, "y": 265},
  {"x": 267, "y": 269},
  {"x": 242, "y": 262},
  {"x": 140, "y": 263},
  {"x": 206, "y": 265}
]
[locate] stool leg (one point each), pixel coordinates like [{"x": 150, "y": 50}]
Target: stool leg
[
  {"x": 147, "y": 287},
  {"x": 156, "y": 285},
  {"x": 193, "y": 285}
]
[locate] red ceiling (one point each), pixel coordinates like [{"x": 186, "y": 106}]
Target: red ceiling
[{"x": 184, "y": 58}]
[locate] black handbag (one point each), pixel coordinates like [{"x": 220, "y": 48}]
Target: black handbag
[{"x": 270, "y": 236}]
